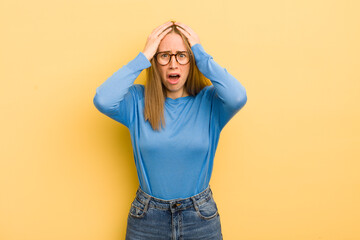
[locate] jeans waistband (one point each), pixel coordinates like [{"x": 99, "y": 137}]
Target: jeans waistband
[{"x": 175, "y": 204}]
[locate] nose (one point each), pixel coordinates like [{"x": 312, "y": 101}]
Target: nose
[{"x": 173, "y": 63}]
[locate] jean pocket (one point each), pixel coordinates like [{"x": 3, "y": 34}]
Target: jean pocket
[
  {"x": 208, "y": 209},
  {"x": 138, "y": 209}
]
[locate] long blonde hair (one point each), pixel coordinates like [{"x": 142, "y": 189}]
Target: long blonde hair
[{"x": 155, "y": 91}]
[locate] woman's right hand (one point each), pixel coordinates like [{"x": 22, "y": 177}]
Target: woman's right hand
[{"x": 155, "y": 38}]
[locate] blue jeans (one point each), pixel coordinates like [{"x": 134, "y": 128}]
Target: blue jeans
[{"x": 192, "y": 218}]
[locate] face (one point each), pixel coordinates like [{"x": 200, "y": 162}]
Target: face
[{"x": 174, "y": 85}]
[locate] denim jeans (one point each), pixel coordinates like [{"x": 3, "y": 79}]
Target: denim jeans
[{"x": 192, "y": 218}]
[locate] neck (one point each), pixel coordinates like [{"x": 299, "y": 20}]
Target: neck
[{"x": 178, "y": 94}]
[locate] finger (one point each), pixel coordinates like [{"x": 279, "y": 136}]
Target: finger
[
  {"x": 166, "y": 23},
  {"x": 162, "y": 28},
  {"x": 185, "y": 27},
  {"x": 166, "y": 31},
  {"x": 183, "y": 31}
]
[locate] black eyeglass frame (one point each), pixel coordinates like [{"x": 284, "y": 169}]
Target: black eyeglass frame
[{"x": 175, "y": 54}]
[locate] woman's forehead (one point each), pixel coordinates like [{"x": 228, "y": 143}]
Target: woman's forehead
[{"x": 173, "y": 43}]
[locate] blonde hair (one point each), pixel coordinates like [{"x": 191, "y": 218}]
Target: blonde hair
[{"x": 155, "y": 91}]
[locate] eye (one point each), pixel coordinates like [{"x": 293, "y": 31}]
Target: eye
[
  {"x": 164, "y": 55},
  {"x": 182, "y": 55}
]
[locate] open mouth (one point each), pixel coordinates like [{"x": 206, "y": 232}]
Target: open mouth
[{"x": 173, "y": 78}]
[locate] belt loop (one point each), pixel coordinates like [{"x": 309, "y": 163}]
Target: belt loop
[
  {"x": 148, "y": 198},
  {"x": 195, "y": 203},
  {"x": 171, "y": 203}
]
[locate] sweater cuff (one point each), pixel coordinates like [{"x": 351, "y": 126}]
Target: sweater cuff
[
  {"x": 139, "y": 63},
  {"x": 199, "y": 52}
]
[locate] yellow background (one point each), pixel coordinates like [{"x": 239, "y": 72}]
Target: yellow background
[{"x": 287, "y": 165}]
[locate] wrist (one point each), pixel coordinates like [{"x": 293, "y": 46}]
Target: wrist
[
  {"x": 147, "y": 55},
  {"x": 193, "y": 43}
]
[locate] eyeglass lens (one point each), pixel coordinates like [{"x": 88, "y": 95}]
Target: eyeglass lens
[{"x": 164, "y": 57}]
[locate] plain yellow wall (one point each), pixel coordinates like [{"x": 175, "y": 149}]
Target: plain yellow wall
[{"x": 287, "y": 165}]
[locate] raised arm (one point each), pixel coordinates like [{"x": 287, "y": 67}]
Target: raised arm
[
  {"x": 113, "y": 97},
  {"x": 111, "y": 93},
  {"x": 230, "y": 94},
  {"x": 228, "y": 89}
]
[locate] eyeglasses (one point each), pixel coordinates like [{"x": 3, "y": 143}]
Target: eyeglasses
[{"x": 163, "y": 58}]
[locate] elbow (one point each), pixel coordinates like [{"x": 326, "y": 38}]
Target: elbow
[
  {"x": 101, "y": 104},
  {"x": 243, "y": 99},
  {"x": 98, "y": 103},
  {"x": 240, "y": 100}
]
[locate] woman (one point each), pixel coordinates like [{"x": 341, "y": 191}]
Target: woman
[{"x": 175, "y": 121}]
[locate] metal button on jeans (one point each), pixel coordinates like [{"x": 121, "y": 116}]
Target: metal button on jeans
[{"x": 176, "y": 205}]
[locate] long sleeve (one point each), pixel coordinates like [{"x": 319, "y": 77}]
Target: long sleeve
[
  {"x": 113, "y": 97},
  {"x": 230, "y": 95}
]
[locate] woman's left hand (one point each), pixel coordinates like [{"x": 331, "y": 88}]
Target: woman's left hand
[{"x": 192, "y": 37}]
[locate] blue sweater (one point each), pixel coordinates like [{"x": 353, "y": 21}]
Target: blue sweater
[{"x": 175, "y": 162}]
